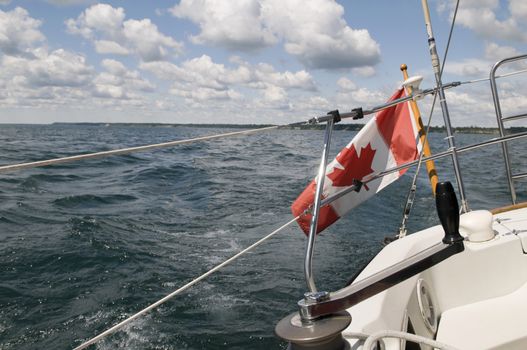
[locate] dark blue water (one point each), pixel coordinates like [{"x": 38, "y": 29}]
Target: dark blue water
[{"x": 86, "y": 244}]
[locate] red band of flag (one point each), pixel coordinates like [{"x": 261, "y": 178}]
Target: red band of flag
[{"x": 388, "y": 140}]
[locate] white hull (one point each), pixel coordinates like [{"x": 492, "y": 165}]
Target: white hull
[{"x": 479, "y": 296}]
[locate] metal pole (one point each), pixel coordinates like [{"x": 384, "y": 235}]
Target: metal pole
[
  {"x": 442, "y": 100},
  {"x": 308, "y": 262}
]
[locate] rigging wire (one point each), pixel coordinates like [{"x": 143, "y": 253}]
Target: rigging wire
[
  {"x": 498, "y": 76},
  {"x": 413, "y": 188},
  {"x": 183, "y": 288},
  {"x": 13, "y": 167}
]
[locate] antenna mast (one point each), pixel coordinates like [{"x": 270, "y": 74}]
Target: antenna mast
[{"x": 436, "y": 65}]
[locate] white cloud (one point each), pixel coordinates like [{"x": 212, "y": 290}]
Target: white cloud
[
  {"x": 62, "y": 77},
  {"x": 163, "y": 70},
  {"x": 469, "y": 101},
  {"x": 481, "y": 17},
  {"x": 199, "y": 79},
  {"x": 34, "y": 77},
  {"x": 18, "y": 32},
  {"x": 69, "y": 2},
  {"x": 150, "y": 44},
  {"x": 469, "y": 68},
  {"x": 114, "y": 67},
  {"x": 475, "y": 68},
  {"x": 312, "y": 104},
  {"x": 350, "y": 95},
  {"x": 317, "y": 34},
  {"x": 314, "y": 31},
  {"x": 275, "y": 94},
  {"x": 346, "y": 85},
  {"x": 110, "y": 47},
  {"x": 518, "y": 8},
  {"x": 366, "y": 97},
  {"x": 102, "y": 18},
  {"x": 236, "y": 27},
  {"x": 203, "y": 94},
  {"x": 265, "y": 73},
  {"x": 203, "y": 72},
  {"x": 495, "y": 52},
  {"x": 45, "y": 80},
  {"x": 109, "y": 91},
  {"x": 468, "y": 106},
  {"x": 117, "y": 82},
  {"x": 57, "y": 68},
  {"x": 112, "y": 34},
  {"x": 365, "y": 72},
  {"x": 238, "y": 85}
]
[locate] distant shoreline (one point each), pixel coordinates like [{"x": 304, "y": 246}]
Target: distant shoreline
[{"x": 349, "y": 127}]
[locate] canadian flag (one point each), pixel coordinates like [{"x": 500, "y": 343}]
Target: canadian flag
[{"x": 389, "y": 139}]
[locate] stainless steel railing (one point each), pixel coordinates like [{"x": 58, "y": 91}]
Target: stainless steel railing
[{"x": 501, "y": 120}]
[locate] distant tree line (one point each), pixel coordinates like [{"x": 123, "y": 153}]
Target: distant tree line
[{"x": 350, "y": 127}]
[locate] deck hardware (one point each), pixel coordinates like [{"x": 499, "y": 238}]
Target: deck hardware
[
  {"x": 426, "y": 305},
  {"x": 448, "y": 212},
  {"x": 359, "y": 114},
  {"x": 336, "y": 116},
  {"x": 315, "y": 297}
]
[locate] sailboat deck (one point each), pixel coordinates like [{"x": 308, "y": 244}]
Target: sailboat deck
[
  {"x": 499, "y": 322},
  {"x": 496, "y": 323},
  {"x": 478, "y": 295}
]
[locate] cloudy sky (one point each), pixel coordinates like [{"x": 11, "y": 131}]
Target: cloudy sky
[{"x": 244, "y": 61}]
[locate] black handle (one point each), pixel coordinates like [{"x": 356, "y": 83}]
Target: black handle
[{"x": 448, "y": 211}]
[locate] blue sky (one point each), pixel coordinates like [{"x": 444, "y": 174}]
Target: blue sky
[{"x": 244, "y": 61}]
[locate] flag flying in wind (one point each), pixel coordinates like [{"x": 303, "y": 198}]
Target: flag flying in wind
[{"x": 386, "y": 141}]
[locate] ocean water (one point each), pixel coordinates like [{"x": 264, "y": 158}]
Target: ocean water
[{"x": 84, "y": 245}]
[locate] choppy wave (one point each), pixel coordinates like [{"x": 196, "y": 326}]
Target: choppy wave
[
  {"x": 90, "y": 200},
  {"x": 84, "y": 244}
]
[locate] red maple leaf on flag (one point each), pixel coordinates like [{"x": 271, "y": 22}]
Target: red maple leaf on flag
[{"x": 355, "y": 167}]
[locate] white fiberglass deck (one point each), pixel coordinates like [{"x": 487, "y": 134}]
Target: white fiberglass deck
[{"x": 478, "y": 296}]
